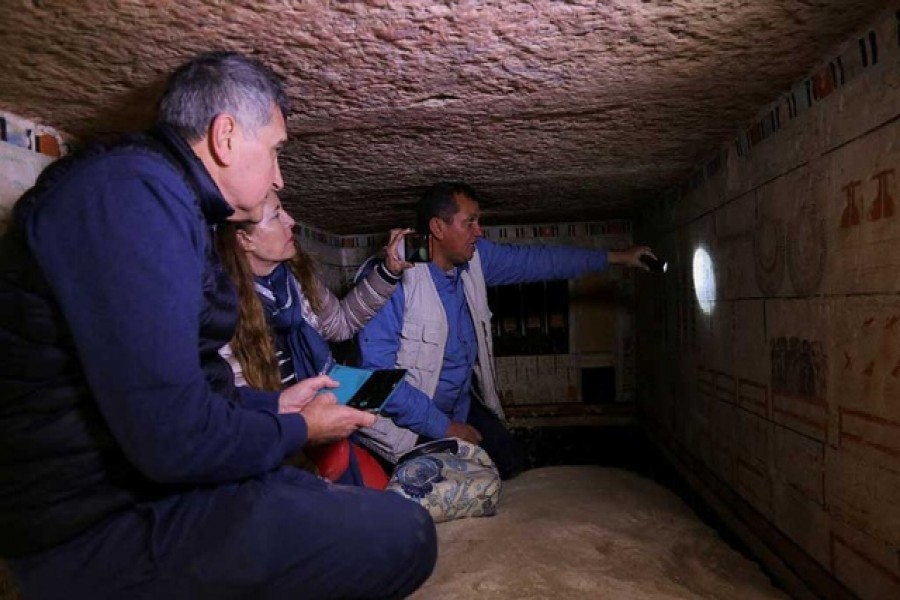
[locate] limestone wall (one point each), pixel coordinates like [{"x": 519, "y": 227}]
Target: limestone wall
[
  {"x": 788, "y": 389},
  {"x": 25, "y": 149}
]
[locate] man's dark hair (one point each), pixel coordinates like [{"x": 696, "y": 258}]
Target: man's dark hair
[
  {"x": 440, "y": 201},
  {"x": 220, "y": 82}
]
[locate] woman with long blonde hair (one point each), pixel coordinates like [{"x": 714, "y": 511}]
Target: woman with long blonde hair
[{"x": 287, "y": 315}]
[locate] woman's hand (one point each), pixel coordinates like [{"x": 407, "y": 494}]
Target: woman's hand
[
  {"x": 295, "y": 398},
  {"x": 392, "y": 260}
]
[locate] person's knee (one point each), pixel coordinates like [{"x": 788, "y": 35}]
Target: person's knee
[
  {"x": 412, "y": 540},
  {"x": 422, "y": 537},
  {"x": 328, "y": 541},
  {"x": 388, "y": 548},
  {"x": 415, "y": 534}
]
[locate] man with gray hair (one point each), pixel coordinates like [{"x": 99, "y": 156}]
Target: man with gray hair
[{"x": 130, "y": 465}]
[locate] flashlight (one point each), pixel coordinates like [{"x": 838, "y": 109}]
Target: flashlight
[{"x": 654, "y": 264}]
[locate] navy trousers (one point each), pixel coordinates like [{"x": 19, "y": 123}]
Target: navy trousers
[
  {"x": 287, "y": 534},
  {"x": 497, "y": 441}
]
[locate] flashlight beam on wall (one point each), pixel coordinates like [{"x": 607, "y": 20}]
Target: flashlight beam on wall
[{"x": 704, "y": 280}]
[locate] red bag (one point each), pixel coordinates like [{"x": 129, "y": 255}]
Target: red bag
[
  {"x": 334, "y": 464},
  {"x": 330, "y": 459},
  {"x": 373, "y": 475}
]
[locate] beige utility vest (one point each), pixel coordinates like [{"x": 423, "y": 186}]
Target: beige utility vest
[
  {"x": 422, "y": 343},
  {"x": 424, "y": 335}
]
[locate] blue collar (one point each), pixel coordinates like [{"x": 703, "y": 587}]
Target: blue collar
[{"x": 213, "y": 205}]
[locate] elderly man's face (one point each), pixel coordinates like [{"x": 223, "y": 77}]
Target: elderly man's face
[{"x": 255, "y": 170}]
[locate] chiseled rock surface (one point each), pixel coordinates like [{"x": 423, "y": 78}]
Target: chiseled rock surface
[
  {"x": 556, "y": 110},
  {"x": 587, "y": 533}
]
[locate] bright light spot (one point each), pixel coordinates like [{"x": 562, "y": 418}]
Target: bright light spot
[{"x": 704, "y": 280}]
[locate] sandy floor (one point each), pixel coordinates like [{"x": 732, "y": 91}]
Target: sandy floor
[
  {"x": 584, "y": 533},
  {"x": 589, "y": 532}
]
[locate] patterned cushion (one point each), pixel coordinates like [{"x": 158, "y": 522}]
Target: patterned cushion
[{"x": 450, "y": 478}]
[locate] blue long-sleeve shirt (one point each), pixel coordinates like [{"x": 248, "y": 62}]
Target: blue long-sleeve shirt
[{"x": 502, "y": 264}]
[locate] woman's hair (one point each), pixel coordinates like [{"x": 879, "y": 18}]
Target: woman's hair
[
  {"x": 220, "y": 82},
  {"x": 253, "y": 345}
]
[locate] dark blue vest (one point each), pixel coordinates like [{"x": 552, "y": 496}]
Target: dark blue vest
[{"x": 60, "y": 469}]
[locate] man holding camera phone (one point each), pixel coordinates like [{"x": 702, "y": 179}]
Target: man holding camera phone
[
  {"x": 417, "y": 247},
  {"x": 439, "y": 327}
]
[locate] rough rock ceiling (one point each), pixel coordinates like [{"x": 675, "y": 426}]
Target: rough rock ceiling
[{"x": 553, "y": 110}]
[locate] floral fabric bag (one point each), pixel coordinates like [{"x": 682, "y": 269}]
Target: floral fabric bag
[{"x": 450, "y": 478}]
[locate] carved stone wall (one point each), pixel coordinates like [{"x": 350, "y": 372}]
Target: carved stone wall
[{"x": 788, "y": 389}]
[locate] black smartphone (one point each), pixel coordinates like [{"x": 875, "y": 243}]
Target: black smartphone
[
  {"x": 417, "y": 247},
  {"x": 375, "y": 391}
]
